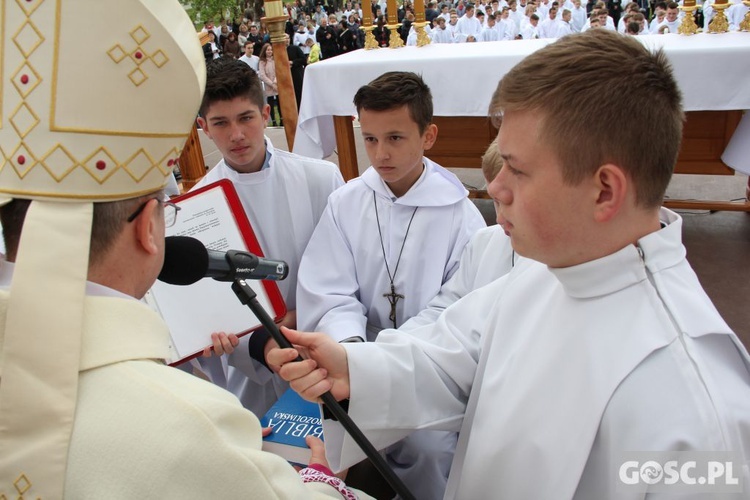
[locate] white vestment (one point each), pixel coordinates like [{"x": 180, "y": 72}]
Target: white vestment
[
  {"x": 577, "y": 18},
  {"x": 510, "y": 30},
  {"x": 562, "y": 29},
  {"x": 490, "y": 35},
  {"x": 487, "y": 257},
  {"x": 529, "y": 31},
  {"x": 284, "y": 203},
  {"x": 146, "y": 430},
  {"x": 469, "y": 26},
  {"x": 343, "y": 277},
  {"x": 552, "y": 374},
  {"x": 252, "y": 61},
  {"x": 518, "y": 17},
  {"x": 736, "y": 14},
  {"x": 441, "y": 36},
  {"x": 673, "y": 26},
  {"x": 547, "y": 28}
]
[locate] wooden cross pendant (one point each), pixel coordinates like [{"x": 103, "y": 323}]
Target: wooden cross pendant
[{"x": 393, "y": 299}]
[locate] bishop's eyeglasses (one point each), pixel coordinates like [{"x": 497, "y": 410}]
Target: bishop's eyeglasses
[{"x": 170, "y": 211}]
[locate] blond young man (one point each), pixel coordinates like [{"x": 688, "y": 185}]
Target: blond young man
[{"x": 602, "y": 344}]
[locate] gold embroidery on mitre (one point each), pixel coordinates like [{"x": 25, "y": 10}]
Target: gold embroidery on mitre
[
  {"x": 138, "y": 55},
  {"x": 28, "y": 38},
  {"x": 94, "y": 163},
  {"x": 34, "y": 45},
  {"x": 2, "y": 63},
  {"x": 22, "y": 486},
  {"x": 22, "y": 160},
  {"x": 24, "y": 119},
  {"x": 29, "y": 7},
  {"x": 139, "y": 165},
  {"x": 170, "y": 160},
  {"x": 59, "y": 162},
  {"x": 26, "y": 79}
]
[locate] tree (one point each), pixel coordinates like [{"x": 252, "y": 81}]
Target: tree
[{"x": 201, "y": 11}]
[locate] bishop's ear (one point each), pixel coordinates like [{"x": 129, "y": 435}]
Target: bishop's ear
[
  {"x": 612, "y": 187},
  {"x": 149, "y": 227}
]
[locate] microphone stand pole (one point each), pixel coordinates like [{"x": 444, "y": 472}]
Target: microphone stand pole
[{"x": 248, "y": 297}]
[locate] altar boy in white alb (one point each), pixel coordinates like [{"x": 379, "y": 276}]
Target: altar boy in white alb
[
  {"x": 602, "y": 350},
  {"x": 283, "y": 195},
  {"x": 386, "y": 243}
]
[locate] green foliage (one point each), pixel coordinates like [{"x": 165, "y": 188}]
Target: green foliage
[{"x": 201, "y": 11}]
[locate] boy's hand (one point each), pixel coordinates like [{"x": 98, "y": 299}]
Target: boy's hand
[
  {"x": 324, "y": 368},
  {"x": 222, "y": 344},
  {"x": 318, "y": 455}
]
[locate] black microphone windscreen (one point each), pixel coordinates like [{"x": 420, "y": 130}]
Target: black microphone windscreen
[{"x": 185, "y": 261}]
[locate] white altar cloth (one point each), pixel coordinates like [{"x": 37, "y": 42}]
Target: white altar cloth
[{"x": 712, "y": 70}]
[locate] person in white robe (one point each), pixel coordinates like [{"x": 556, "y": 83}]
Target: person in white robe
[
  {"x": 453, "y": 25},
  {"x": 248, "y": 58},
  {"x": 506, "y": 25},
  {"x": 671, "y": 20},
  {"x": 578, "y": 16},
  {"x": 386, "y": 243},
  {"x": 530, "y": 31},
  {"x": 542, "y": 9},
  {"x": 736, "y": 15},
  {"x": 441, "y": 33},
  {"x": 516, "y": 14},
  {"x": 283, "y": 195},
  {"x": 659, "y": 15},
  {"x": 487, "y": 257},
  {"x": 548, "y": 27},
  {"x": 490, "y": 33},
  {"x": 601, "y": 346},
  {"x": 563, "y": 26},
  {"x": 528, "y": 11},
  {"x": 468, "y": 24}
]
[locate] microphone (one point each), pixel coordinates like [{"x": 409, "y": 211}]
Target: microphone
[{"x": 187, "y": 260}]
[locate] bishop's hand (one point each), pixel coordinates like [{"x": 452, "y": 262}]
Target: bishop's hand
[{"x": 324, "y": 368}]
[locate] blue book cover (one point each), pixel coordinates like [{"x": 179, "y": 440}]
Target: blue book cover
[{"x": 292, "y": 419}]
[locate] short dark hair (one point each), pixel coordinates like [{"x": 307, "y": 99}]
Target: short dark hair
[
  {"x": 229, "y": 78},
  {"x": 395, "y": 89},
  {"x": 108, "y": 221},
  {"x": 672, "y": 5}
]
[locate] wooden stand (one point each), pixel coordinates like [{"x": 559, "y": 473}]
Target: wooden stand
[
  {"x": 287, "y": 97},
  {"x": 463, "y": 140},
  {"x": 192, "y": 166}
]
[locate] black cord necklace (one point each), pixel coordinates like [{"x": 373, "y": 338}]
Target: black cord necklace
[{"x": 392, "y": 296}]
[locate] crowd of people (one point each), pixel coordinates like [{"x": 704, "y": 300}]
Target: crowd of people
[
  {"x": 319, "y": 31},
  {"x": 337, "y": 28}
]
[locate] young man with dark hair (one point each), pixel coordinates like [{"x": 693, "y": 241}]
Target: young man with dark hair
[
  {"x": 597, "y": 351},
  {"x": 671, "y": 20},
  {"x": 283, "y": 195},
  {"x": 386, "y": 243}
]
